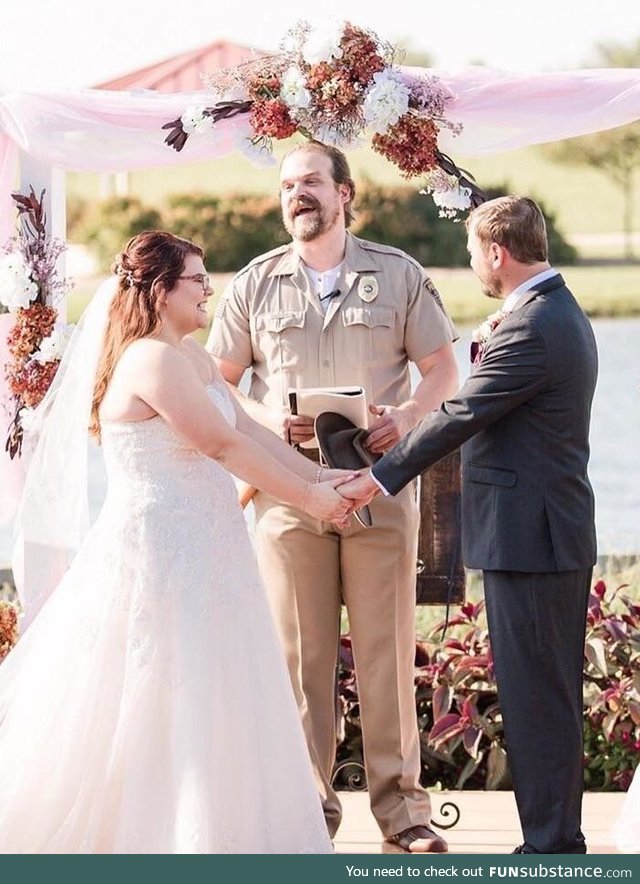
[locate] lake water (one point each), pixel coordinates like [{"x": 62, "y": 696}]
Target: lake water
[
  {"x": 614, "y": 466},
  {"x": 615, "y": 439}
]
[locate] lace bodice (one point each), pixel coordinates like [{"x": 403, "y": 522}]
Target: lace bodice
[{"x": 148, "y": 460}]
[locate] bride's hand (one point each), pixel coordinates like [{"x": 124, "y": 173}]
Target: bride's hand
[{"x": 325, "y": 503}]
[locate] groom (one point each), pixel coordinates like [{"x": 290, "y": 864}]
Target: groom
[{"x": 528, "y": 520}]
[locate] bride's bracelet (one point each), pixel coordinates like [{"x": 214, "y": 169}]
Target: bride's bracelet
[{"x": 319, "y": 473}]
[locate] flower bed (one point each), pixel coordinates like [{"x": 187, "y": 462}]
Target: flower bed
[{"x": 462, "y": 740}]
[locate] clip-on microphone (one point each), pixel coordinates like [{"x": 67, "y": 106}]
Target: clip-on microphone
[{"x": 334, "y": 294}]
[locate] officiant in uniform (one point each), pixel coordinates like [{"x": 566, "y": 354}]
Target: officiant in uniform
[{"x": 327, "y": 310}]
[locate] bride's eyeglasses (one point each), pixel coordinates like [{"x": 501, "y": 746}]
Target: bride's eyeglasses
[{"x": 202, "y": 278}]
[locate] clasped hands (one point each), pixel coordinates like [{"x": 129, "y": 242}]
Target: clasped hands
[{"x": 340, "y": 493}]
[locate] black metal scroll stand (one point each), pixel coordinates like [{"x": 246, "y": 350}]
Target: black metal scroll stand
[{"x": 356, "y": 781}]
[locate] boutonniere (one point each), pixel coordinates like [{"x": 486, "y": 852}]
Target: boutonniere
[{"x": 481, "y": 334}]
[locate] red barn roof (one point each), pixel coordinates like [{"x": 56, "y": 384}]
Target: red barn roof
[{"x": 183, "y": 72}]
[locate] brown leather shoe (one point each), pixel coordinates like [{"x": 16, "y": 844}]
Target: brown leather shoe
[{"x": 419, "y": 839}]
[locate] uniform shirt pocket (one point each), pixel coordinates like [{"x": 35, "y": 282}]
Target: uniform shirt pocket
[
  {"x": 370, "y": 334},
  {"x": 280, "y": 338}
]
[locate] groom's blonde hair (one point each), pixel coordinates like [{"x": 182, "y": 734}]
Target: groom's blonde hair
[{"x": 514, "y": 222}]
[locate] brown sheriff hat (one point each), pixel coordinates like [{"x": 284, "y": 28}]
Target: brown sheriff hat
[{"x": 342, "y": 447}]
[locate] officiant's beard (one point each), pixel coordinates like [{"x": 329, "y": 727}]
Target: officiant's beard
[{"x": 306, "y": 228}]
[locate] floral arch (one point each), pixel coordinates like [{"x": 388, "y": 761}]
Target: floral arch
[{"x": 339, "y": 85}]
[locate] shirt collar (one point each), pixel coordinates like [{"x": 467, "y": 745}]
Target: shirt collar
[
  {"x": 356, "y": 258},
  {"x": 515, "y": 298}
]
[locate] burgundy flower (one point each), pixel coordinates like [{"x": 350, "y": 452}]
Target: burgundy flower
[
  {"x": 411, "y": 144},
  {"x": 270, "y": 118}
]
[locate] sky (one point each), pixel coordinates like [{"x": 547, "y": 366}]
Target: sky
[{"x": 78, "y": 43}]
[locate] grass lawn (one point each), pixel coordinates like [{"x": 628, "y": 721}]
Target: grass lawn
[{"x": 609, "y": 290}]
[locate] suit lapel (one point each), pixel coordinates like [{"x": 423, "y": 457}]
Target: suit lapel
[{"x": 543, "y": 288}]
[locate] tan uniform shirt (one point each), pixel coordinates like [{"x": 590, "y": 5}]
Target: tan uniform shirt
[{"x": 388, "y": 313}]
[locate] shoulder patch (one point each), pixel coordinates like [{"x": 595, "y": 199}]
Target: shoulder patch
[{"x": 433, "y": 291}]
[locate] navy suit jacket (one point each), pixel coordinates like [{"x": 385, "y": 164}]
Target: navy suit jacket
[{"x": 523, "y": 416}]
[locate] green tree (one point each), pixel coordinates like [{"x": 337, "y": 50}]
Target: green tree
[
  {"x": 617, "y": 55},
  {"x": 615, "y": 152},
  {"x": 402, "y": 217}
]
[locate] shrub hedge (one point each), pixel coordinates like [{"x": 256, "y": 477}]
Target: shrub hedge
[{"x": 235, "y": 228}]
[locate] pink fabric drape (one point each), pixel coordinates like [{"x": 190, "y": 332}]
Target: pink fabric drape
[
  {"x": 11, "y": 471},
  {"x": 112, "y": 131},
  {"x": 503, "y": 111},
  {"x": 8, "y": 169}
]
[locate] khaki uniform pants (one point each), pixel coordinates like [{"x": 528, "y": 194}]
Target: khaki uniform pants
[{"x": 309, "y": 567}]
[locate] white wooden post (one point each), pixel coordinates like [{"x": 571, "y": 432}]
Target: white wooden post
[{"x": 40, "y": 176}]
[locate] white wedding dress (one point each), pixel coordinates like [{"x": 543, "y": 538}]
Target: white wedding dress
[
  {"x": 627, "y": 828},
  {"x": 148, "y": 709}
]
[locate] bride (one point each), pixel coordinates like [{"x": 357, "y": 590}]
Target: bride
[
  {"x": 627, "y": 827},
  {"x": 146, "y": 707}
]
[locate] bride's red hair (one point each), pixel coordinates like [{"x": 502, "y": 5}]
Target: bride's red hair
[{"x": 151, "y": 262}]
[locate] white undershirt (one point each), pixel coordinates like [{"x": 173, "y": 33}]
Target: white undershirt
[{"x": 323, "y": 283}]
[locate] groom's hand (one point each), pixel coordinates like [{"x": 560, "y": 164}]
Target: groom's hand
[{"x": 361, "y": 490}]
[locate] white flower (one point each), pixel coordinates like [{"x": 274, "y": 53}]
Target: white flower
[
  {"x": 457, "y": 199},
  {"x": 327, "y": 135},
  {"x": 483, "y": 332},
  {"x": 386, "y": 101},
  {"x": 294, "y": 90},
  {"x": 53, "y": 347},
  {"x": 195, "y": 121},
  {"x": 323, "y": 42},
  {"x": 29, "y": 419},
  {"x": 17, "y": 289},
  {"x": 258, "y": 155}
]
